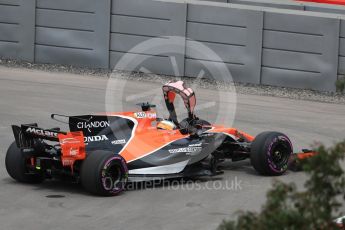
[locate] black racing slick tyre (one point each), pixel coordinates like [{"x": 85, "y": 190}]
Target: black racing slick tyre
[
  {"x": 16, "y": 166},
  {"x": 270, "y": 153},
  {"x": 103, "y": 173}
]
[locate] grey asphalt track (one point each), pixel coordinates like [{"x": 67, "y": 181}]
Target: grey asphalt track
[{"x": 31, "y": 96}]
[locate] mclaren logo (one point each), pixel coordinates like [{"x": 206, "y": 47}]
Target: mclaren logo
[
  {"x": 41, "y": 132},
  {"x": 96, "y": 138}
]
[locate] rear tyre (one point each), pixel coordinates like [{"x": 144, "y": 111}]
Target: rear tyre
[
  {"x": 270, "y": 153},
  {"x": 103, "y": 173},
  {"x": 16, "y": 166}
]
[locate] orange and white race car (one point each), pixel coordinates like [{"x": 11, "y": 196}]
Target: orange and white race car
[{"x": 105, "y": 151}]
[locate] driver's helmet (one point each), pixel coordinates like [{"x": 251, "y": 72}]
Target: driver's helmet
[{"x": 166, "y": 125}]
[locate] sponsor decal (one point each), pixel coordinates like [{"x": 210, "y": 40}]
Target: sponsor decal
[
  {"x": 185, "y": 150},
  {"x": 140, "y": 115},
  {"x": 152, "y": 115},
  {"x": 69, "y": 141},
  {"x": 73, "y": 151},
  {"x": 95, "y": 138},
  {"x": 92, "y": 124},
  {"x": 41, "y": 132},
  {"x": 118, "y": 142},
  {"x": 207, "y": 134},
  {"x": 195, "y": 145}
]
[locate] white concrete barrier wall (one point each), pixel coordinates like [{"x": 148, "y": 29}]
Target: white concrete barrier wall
[
  {"x": 258, "y": 44},
  {"x": 234, "y": 34},
  {"x": 17, "y": 33},
  {"x": 137, "y": 21},
  {"x": 300, "y": 51},
  {"x": 341, "y": 67},
  {"x": 73, "y": 32}
]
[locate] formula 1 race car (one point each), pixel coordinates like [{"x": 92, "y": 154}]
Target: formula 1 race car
[{"x": 105, "y": 151}]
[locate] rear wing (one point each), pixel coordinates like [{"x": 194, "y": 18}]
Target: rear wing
[
  {"x": 72, "y": 143},
  {"x": 26, "y": 134}
]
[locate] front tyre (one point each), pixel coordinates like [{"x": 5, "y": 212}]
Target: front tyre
[
  {"x": 270, "y": 153},
  {"x": 103, "y": 173},
  {"x": 16, "y": 166}
]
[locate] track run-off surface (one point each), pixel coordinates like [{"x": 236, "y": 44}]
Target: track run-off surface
[{"x": 31, "y": 96}]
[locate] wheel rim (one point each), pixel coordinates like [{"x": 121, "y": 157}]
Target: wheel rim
[
  {"x": 280, "y": 153},
  {"x": 113, "y": 177}
]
